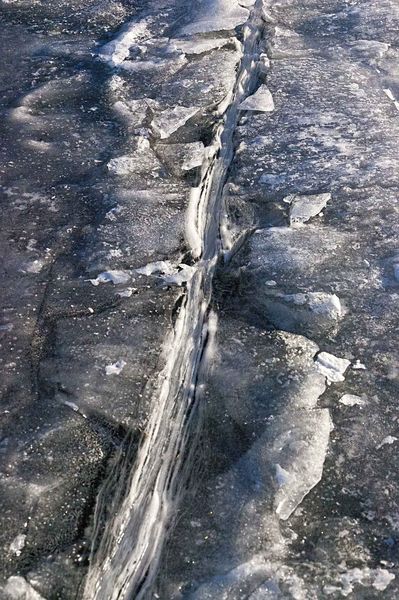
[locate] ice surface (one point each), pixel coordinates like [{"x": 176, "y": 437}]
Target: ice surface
[
  {"x": 198, "y": 45},
  {"x": 304, "y": 208},
  {"x": 261, "y": 101},
  {"x": 216, "y": 15},
  {"x": 332, "y": 367},
  {"x": 167, "y": 122}
]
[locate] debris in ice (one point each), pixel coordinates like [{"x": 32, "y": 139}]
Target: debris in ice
[
  {"x": 304, "y": 208},
  {"x": 378, "y": 578},
  {"x": 352, "y": 400},
  {"x": 331, "y": 367},
  {"x": 115, "y": 368},
  {"x": 115, "y": 277},
  {"x": 261, "y": 101},
  {"x": 318, "y": 302},
  {"x": 17, "y": 588},
  {"x": 18, "y": 544},
  {"x": 390, "y": 439},
  {"x": 217, "y": 15},
  {"x": 168, "y": 121},
  {"x": 126, "y": 293},
  {"x": 359, "y": 366}
]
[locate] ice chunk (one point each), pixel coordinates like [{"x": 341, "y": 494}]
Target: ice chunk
[
  {"x": 17, "y": 588},
  {"x": 390, "y": 439},
  {"x": 382, "y": 579},
  {"x": 217, "y": 15},
  {"x": 117, "y": 50},
  {"x": 18, "y": 544},
  {"x": 115, "y": 277},
  {"x": 182, "y": 157},
  {"x": 352, "y": 400},
  {"x": 261, "y": 101},
  {"x": 304, "y": 208},
  {"x": 302, "y": 451},
  {"x": 168, "y": 121},
  {"x": 318, "y": 302},
  {"x": 358, "y": 366},
  {"x": 282, "y": 476},
  {"x": 332, "y": 367},
  {"x": 115, "y": 368},
  {"x": 161, "y": 266}
]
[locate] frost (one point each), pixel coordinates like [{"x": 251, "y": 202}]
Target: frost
[
  {"x": 332, "y": 367},
  {"x": 261, "y": 101},
  {"x": 18, "y": 544},
  {"x": 168, "y": 121},
  {"x": 304, "y": 208},
  {"x": 115, "y": 277},
  {"x": 352, "y": 400},
  {"x": 115, "y": 368}
]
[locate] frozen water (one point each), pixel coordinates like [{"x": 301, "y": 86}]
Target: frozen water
[
  {"x": 115, "y": 277},
  {"x": 17, "y": 588},
  {"x": 352, "y": 400},
  {"x": 115, "y": 368},
  {"x": 167, "y": 122}
]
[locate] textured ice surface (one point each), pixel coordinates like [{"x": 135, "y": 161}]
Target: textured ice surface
[{"x": 261, "y": 101}]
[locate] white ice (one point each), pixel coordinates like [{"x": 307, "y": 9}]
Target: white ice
[
  {"x": 352, "y": 400},
  {"x": 331, "y": 367},
  {"x": 117, "y": 50},
  {"x": 18, "y": 544},
  {"x": 261, "y": 101},
  {"x": 17, "y": 588},
  {"x": 390, "y": 439},
  {"x": 199, "y": 45},
  {"x": 115, "y": 368},
  {"x": 115, "y": 277}
]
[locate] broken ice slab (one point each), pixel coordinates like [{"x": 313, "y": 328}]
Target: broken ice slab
[
  {"x": 332, "y": 367},
  {"x": 260, "y": 101},
  {"x": 304, "y": 313},
  {"x": 115, "y": 277},
  {"x": 168, "y": 121},
  {"x": 216, "y": 15},
  {"x": 180, "y": 158},
  {"x": 303, "y": 208},
  {"x": 301, "y": 453}
]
